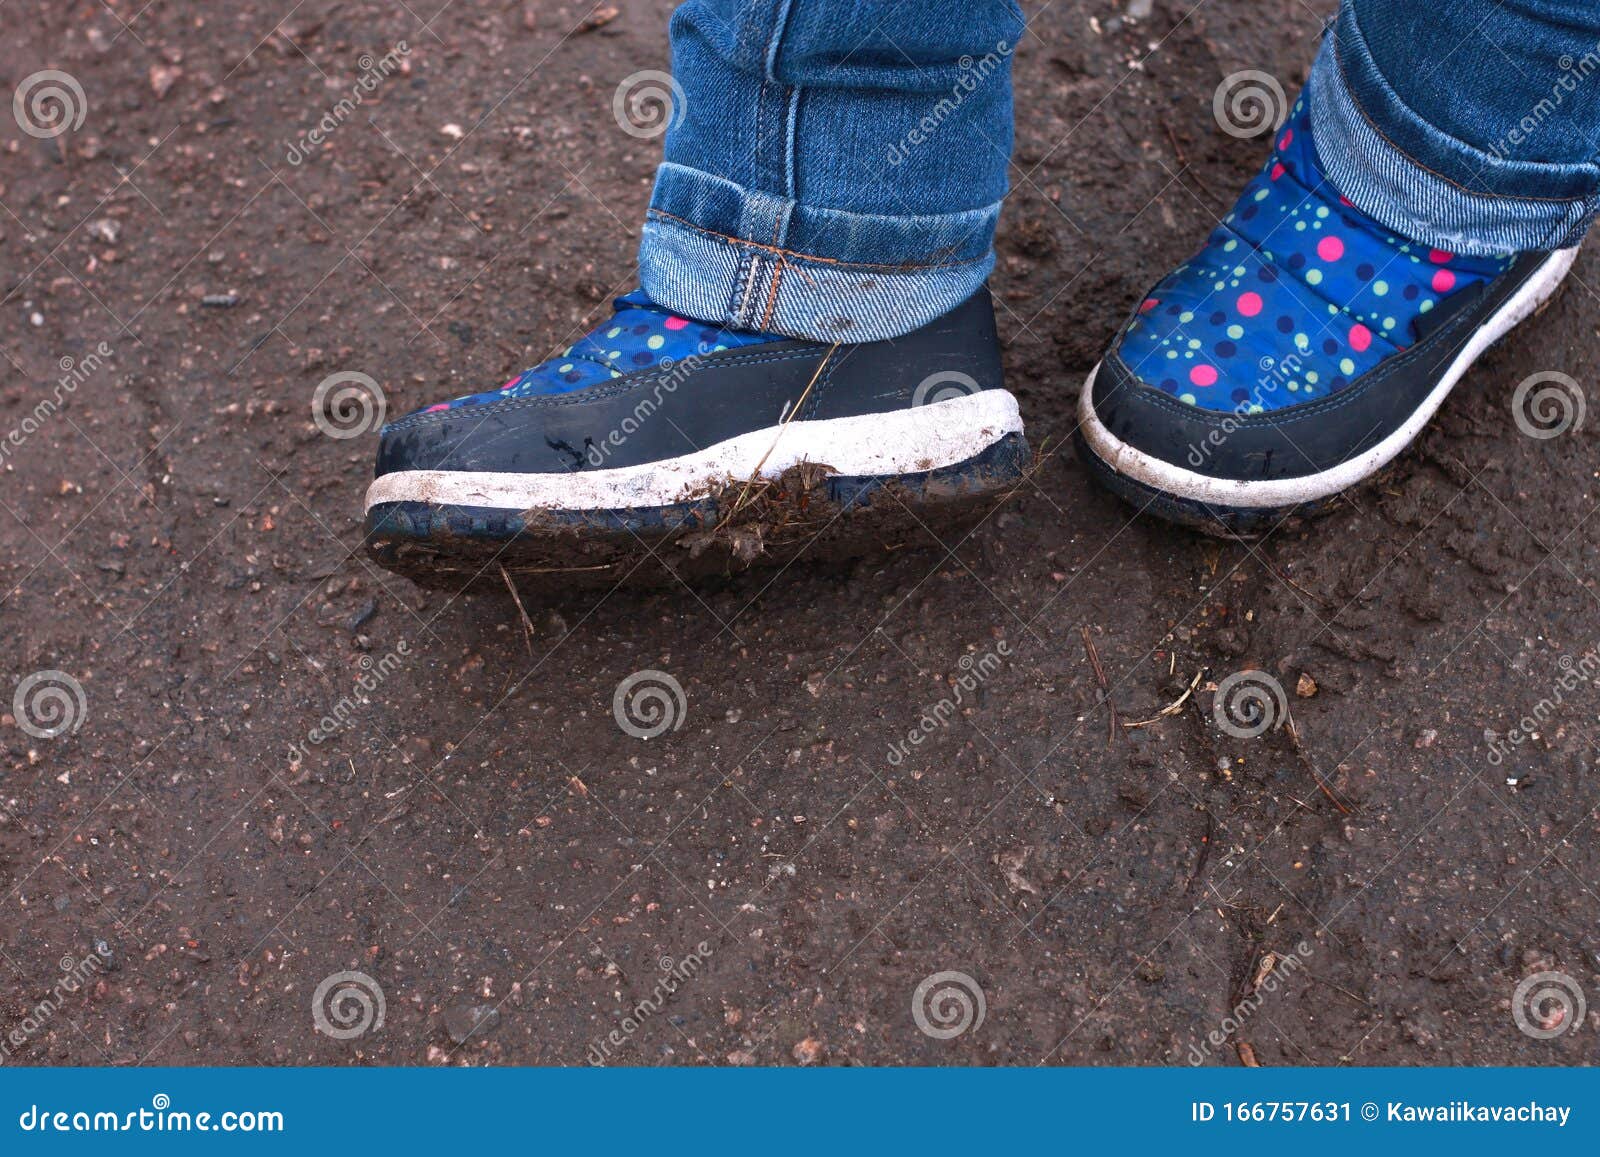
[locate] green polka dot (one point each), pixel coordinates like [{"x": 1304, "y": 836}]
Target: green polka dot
[
  {"x": 1314, "y": 277},
  {"x": 1186, "y": 398},
  {"x": 564, "y": 368},
  {"x": 1261, "y": 195},
  {"x": 656, "y": 341},
  {"x": 614, "y": 331},
  {"x": 1186, "y": 317},
  {"x": 1425, "y": 306},
  {"x": 1300, "y": 226},
  {"x": 1312, "y": 376},
  {"x": 1302, "y": 342},
  {"x": 1381, "y": 288},
  {"x": 1347, "y": 367},
  {"x": 614, "y": 356},
  {"x": 1389, "y": 323},
  {"x": 1323, "y": 212},
  {"x": 1194, "y": 343},
  {"x": 1236, "y": 332},
  {"x": 1172, "y": 354},
  {"x": 1230, "y": 247}
]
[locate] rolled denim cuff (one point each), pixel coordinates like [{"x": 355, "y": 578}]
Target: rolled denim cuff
[
  {"x": 721, "y": 253},
  {"x": 1425, "y": 184}
]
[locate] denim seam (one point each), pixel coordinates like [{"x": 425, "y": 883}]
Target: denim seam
[
  {"x": 1355, "y": 102},
  {"x": 778, "y": 228},
  {"x": 787, "y": 254}
]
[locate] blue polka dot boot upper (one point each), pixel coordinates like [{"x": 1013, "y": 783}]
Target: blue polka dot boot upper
[
  {"x": 1296, "y": 294},
  {"x": 640, "y": 334}
]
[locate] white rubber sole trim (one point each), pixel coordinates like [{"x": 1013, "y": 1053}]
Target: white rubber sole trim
[
  {"x": 1283, "y": 492},
  {"x": 870, "y": 445}
]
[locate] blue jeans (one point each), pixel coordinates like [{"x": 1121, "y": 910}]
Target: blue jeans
[{"x": 834, "y": 169}]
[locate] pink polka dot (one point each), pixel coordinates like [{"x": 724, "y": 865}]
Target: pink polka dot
[
  {"x": 511, "y": 382},
  {"x": 1330, "y": 249},
  {"x": 1203, "y": 376},
  {"x": 1346, "y": 202},
  {"x": 1440, "y": 256},
  {"x": 1360, "y": 338},
  {"x": 1249, "y": 304},
  {"x": 1277, "y": 171},
  {"x": 1444, "y": 281},
  {"x": 436, "y": 407},
  {"x": 1149, "y": 304},
  {"x": 1287, "y": 139},
  {"x": 676, "y": 322}
]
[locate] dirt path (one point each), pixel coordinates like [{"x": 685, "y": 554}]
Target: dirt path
[{"x": 475, "y": 831}]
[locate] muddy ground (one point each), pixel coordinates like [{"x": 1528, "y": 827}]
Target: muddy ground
[{"x": 478, "y": 835}]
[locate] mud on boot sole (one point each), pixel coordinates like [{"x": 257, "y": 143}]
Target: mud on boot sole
[{"x": 807, "y": 511}]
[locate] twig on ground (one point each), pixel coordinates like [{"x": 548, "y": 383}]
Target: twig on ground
[
  {"x": 1171, "y": 708},
  {"x": 1105, "y": 687},
  {"x": 527, "y": 623},
  {"x": 1310, "y": 765}
]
